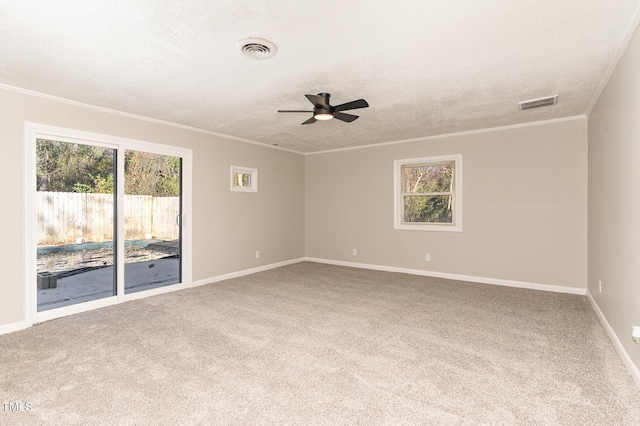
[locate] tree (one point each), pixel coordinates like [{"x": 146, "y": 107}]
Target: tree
[
  {"x": 427, "y": 182},
  {"x": 103, "y": 185},
  {"x": 70, "y": 167},
  {"x": 152, "y": 174}
]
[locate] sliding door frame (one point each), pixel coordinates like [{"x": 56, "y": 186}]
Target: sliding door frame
[{"x": 34, "y": 131}]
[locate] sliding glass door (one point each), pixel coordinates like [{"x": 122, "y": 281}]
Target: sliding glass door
[
  {"x": 107, "y": 219},
  {"x": 152, "y": 212},
  {"x": 75, "y": 205}
]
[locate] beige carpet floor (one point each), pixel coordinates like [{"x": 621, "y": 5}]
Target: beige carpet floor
[{"x": 317, "y": 344}]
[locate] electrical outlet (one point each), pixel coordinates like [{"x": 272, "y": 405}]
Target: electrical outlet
[
  {"x": 257, "y": 254},
  {"x": 355, "y": 252},
  {"x": 427, "y": 257},
  {"x": 600, "y": 286}
]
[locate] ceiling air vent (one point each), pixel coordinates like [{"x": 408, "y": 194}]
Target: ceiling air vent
[
  {"x": 256, "y": 48},
  {"x": 537, "y": 103}
]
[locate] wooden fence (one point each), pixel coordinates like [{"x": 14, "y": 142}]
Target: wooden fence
[{"x": 70, "y": 217}]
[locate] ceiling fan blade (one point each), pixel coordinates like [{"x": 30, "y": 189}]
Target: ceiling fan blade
[
  {"x": 345, "y": 117},
  {"x": 282, "y": 110},
  {"x": 317, "y": 101},
  {"x": 310, "y": 121},
  {"x": 360, "y": 103}
]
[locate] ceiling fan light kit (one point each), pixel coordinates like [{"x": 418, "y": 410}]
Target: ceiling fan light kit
[
  {"x": 323, "y": 110},
  {"x": 323, "y": 116}
]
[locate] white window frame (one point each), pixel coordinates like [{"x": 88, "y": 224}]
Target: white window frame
[
  {"x": 398, "y": 198},
  {"x": 34, "y": 131},
  {"x": 253, "y": 180}
]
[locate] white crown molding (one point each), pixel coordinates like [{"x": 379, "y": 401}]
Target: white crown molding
[
  {"x": 140, "y": 117},
  {"x": 451, "y": 135},
  {"x": 264, "y": 145},
  {"x": 616, "y": 59}
]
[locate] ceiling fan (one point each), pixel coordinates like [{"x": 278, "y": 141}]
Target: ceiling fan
[{"x": 322, "y": 110}]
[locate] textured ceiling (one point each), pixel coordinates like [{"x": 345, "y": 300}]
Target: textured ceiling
[{"x": 426, "y": 67}]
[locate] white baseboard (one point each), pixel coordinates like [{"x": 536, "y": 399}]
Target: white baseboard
[
  {"x": 245, "y": 272},
  {"x": 626, "y": 359},
  {"x": 458, "y": 277},
  {"x": 624, "y": 355},
  {"x": 10, "y": 328}
]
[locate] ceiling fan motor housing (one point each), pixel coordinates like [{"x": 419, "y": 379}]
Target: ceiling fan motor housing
[
  {"x": 325, "y": 96},
  {"x": 326, "y": 108}
]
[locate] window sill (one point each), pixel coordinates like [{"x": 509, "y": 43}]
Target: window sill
[{"x": 429, "y": 227}]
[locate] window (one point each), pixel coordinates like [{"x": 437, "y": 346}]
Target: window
[
  {"x": 108, "y": 220},
  {"x": 244, "y": 179},
  {"x": 428, "y": 193}
]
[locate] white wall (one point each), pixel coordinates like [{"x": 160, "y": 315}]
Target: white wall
[
  {"x": 525, "y": 200},
  {"x": 524, "y": 206},
  {"x": 614, "y": 200},
  {"x": 228, "y": 227}
]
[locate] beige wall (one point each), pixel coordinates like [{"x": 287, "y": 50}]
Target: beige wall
[
  {"x": 524, "y": 202},
  {"x": 227, "y": 227},
  {"x": 614, "y": 199}
]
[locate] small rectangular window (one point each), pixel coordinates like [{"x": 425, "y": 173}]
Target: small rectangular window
[
  {"x": 244, "y": 179},
  {"x": 241, "y": 179},
  {"x": 428, "y": 193}
]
